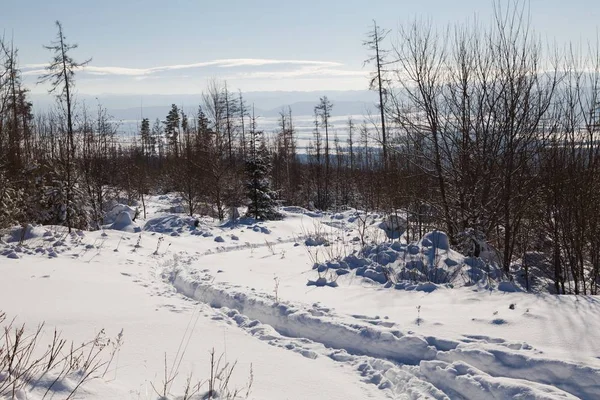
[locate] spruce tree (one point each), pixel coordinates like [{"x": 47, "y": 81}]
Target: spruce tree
[
  {"x": 145, "y": 137},
  {"x": 172, "y": 129},
  {"x": 157, "y": 138},
  {"x": 262, "y": 204}
]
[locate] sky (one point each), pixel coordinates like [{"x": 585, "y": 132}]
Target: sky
[{"x": 175, "y": 47}]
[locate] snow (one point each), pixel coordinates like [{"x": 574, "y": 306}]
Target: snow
[
  {"x": 358, "y": 331},
  {"x": 28, "y": 232},
  {"x": 124, "y": 223},
  {"x": 116, "y": 211}
]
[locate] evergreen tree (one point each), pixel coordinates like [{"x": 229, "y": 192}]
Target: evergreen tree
[
  {"x": 157, "y": 138},
  {"x": 203, "y": 133},
  {"x": 203, "y": 122},
  {"x": 145, "y": 137},
  {"x": 172, "y": 129},
  {"x": 258, "y": 167},
  {"x": 184, "y": 123},
  {"x": 11, "y": 103}
]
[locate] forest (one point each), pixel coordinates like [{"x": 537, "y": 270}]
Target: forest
[{"x": 486, "y": 132}]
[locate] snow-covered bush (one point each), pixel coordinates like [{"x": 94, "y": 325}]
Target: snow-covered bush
[
  {"x": 316, "y": 240},
  {"x": 48, "y": 197},
  {"x": 430, "y": 260},
  {"x": 11, "y": 200},
  {"x": 43, "y": 196},
  {"x": 394, "y": 226},
  {"x": 473, "y": 243}
]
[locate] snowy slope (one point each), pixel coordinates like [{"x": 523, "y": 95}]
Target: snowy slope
[{"x": 243, "y": 290}]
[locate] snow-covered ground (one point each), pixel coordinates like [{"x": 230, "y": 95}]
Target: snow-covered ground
[{"x": 176, "y": 289}]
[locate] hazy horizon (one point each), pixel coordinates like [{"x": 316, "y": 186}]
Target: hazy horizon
[{"x": 267, "y": 46}]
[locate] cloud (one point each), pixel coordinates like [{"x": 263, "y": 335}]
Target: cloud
[
  {"x": 33, "y": 72},
  {"x": 303, "y": 72},
  {"x": 35, "y": 69}
]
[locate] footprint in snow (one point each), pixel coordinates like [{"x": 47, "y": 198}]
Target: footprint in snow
[{"x": 172, "y": 308}]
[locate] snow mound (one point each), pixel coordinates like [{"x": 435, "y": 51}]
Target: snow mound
[
  {"x": 169, "y": 223},
  {"x": 35, "y": 239},
  {"x": 301, "y": 211},
  {"x": 18, "y": 233},
  {"x": 124, "y": 223},
  {"x": 426, "y": 287},
  {"x": 10, "y": 253},
  {"x": 508, "y": 287},
  {"x": 115, "y": 212},
  {"x": 436, "y": 240},
  {"x": 294, "y": 210}
]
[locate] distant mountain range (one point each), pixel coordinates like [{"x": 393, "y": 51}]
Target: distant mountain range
[{"x": 266, "y": 104}]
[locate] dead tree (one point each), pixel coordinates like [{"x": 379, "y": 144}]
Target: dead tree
[{"x": 61, "y": 76}]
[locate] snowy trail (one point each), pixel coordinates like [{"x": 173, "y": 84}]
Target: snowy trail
[
  {"x": 359, "y": 340},
  {"x": 406, "y": 364},
  {"x": 80, "y": 292}
]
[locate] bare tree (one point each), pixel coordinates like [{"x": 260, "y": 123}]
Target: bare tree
[
  {"x": 378, "y": 81},
  {"x": 323, "y": 111},
  {"x": 61, "y": 76}
]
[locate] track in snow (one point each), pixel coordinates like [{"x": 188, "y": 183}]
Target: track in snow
[{"x": 404, "y": 364}]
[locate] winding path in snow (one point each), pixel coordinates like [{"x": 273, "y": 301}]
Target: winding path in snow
[{"x": 405, "y": 364}]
